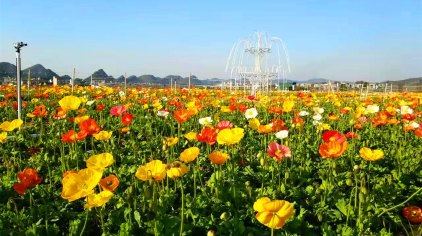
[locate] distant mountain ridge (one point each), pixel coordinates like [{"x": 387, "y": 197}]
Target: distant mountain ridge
[{"x": 39, "y": 71}]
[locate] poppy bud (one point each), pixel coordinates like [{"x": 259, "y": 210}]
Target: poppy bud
[{"x": 224, "y": 216}]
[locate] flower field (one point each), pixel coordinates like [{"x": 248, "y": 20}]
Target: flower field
[{"x": 105, "y": 161}]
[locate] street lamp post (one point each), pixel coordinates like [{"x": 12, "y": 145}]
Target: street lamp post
[{"x": 18, "y": 47}]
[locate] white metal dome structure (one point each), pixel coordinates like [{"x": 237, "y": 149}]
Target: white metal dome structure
[{"x": 255, "y": 62}]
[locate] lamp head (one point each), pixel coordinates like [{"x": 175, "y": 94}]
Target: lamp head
[{"x": 18, "y": 45}]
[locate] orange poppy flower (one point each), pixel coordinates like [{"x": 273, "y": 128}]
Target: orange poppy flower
[
  {"x": 181, "y": 116},
  {"x": 265, "y": 129},
  {"x": 277, "y": 125},
  {"x": 418, "y": 133},
  {"x": 109, "y": 183},
  {"x": 332, "y": 149},
  {"x": 60, "y": 114},
  {"x": 218, "y": 157},
  {"x": 40, "y": 111}
]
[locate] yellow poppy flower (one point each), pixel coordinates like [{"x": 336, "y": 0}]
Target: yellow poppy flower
[
  {"x": 103, "y": 135},
  {"x": 230, "y": 136},
  {"x": 322, "y": 127},
  {"x": 155, "y": 170},
  {"x": 177, "y": 169},
  {"x": 190, "y": 136},
  {"x": 97, "y": 200},
  {"x": 171, "y": 141},
  {"x": 69, "y": 103},
  {"x": 79, "y": 119},
  {"x": 225, "y": 109},
  {"x": 288, "y": 105},
  {"x": 189, "y": 154},
  {"x": 81, "y": 184},
  {"x": 99, "y": 162},
  {"x": 254, "y": 123},
  {"x": 273, "y": 214},
  {"x": 10, "y": 126},
  {"x": 3, "y": 136},
  {"x": 371, "y": 155}
]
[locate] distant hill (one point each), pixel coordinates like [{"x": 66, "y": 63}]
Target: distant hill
[
  {"x": 39, "y": 71},
  {"x": 407, "y": 82},
  {"x": 7, "y": 70},
  {"x": 100, "y": 76},
  {"x": 316, "y": 81}
]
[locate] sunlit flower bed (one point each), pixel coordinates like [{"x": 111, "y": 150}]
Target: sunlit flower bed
[{"x": 209, "y": 162}]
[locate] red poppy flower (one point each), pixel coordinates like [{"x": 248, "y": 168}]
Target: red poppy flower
[
  {"x": 232, "y": 107},
  {"x": 242, "y": 108},
  {"x": 89, "y": 126},
  {"x": 409, "y": 117},
  {"x": 333, "y": 135},
  {"x": 413, "y": 214},
  {"x": 351, "y": 135},
  {"x": 127, "y": 118},
  {"x": 19, "y": 188},
  {"x": 224, "y": 124},
  {"x": 99, "y": 107},
  {"x": 71, "y": 136},
  {"x": 207, "y": 135},
  {"x": 344, "y": 111},
  {"x": 28, "y": 178},
  {"x": 251, "y": 97}
]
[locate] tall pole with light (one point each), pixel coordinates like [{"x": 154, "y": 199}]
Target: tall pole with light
[{"x": 18, "y": 47}]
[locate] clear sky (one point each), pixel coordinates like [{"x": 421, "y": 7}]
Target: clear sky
[{"x": 339, "y": 40}]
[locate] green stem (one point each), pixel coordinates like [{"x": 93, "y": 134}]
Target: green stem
[
  {"x": 86, "y": 219},
  {"x": 183, "y": 208},
  {"x": 102, "y": 220},
  {"x": 394, "y": 207},
  {"x": 194, "y": 179}
]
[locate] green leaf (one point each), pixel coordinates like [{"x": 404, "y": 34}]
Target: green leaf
[
  {"x": 342, "y": 206},
  {"x": 137, "y": 217}
]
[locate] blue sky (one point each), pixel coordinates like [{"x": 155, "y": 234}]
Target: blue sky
[{"x": 338, "y": 40}]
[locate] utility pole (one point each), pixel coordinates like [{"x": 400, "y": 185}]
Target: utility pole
[
  {"x": 28, "y": 82},
  {"x": 125, "y": 83},
  {"x": 73, "y": 78},
  {"x": 91, "y": 80},
  {"x": 18, "y": 47},
  {"x": 189, "y": 80}
]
